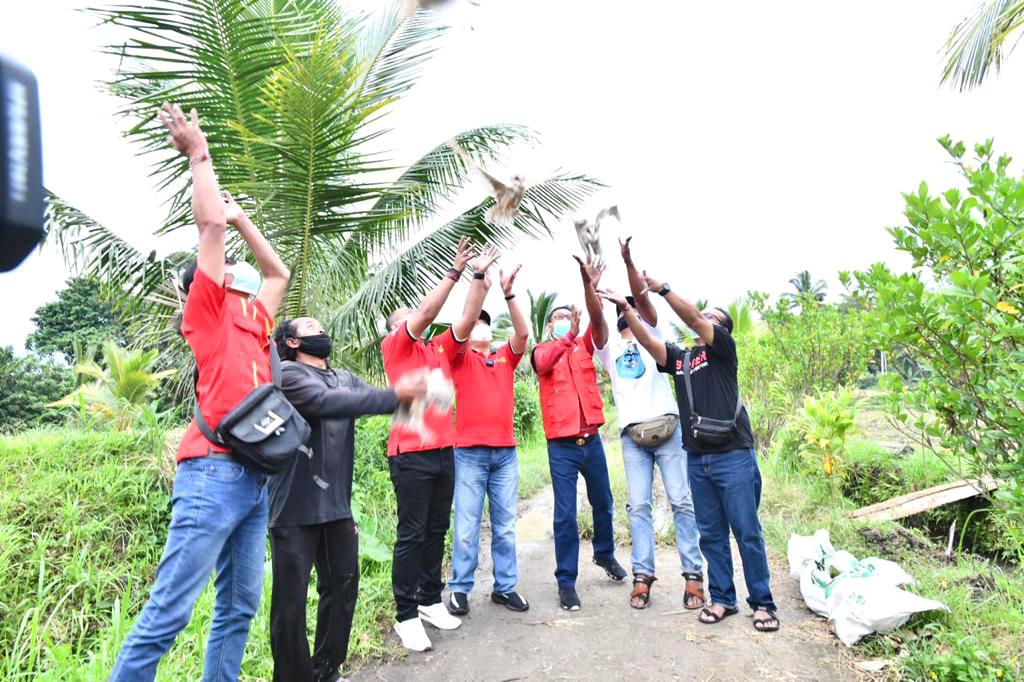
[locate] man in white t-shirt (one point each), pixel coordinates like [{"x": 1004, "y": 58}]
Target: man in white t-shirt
[{"x": 650, "y": 433}]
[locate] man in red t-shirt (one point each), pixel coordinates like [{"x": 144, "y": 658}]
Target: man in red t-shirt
[
  {"x": 219, "y": 507},
  {"x": 573, "y": 411},
  {"x": 485, "y": 456},
  {"x": 423, "y": 465}
]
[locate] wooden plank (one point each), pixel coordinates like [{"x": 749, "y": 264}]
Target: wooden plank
[{"x": 923, "y": 500}]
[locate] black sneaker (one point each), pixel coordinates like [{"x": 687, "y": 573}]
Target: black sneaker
[
  {"x": 511, "y": 600},
  {"x": 612, "y": 567},
  {"x": 569, "y": 599},
  {"x": 458, "y": 603}
]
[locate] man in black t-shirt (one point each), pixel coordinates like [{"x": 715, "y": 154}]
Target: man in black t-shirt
[{"x": 724, "y": 479}]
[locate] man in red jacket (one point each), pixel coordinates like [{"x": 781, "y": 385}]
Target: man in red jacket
[
  {"x": 422, "y": 466},
  {"x": 573, "y": 412}
]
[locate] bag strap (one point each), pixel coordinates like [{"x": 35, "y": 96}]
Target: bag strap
[
  {"x": 686, "y": 380},
  {"x": 201, "y": 424}
]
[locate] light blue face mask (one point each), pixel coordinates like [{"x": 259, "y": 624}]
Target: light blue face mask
[
  {"x": 245, "y": 280},
  {"x": 561, "y": 328}
]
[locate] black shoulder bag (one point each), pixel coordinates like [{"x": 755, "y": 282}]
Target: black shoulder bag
[
  {"x": 264, "y": 431},
  {"x": 706, "y": 430}
]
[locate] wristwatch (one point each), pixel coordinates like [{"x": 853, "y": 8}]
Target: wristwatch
[
  {"x": 479, "y": 274},
  {"x": 665, "y": 288}
]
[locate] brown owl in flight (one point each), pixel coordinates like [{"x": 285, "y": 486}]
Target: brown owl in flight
[{"x": 506, "y": 197}]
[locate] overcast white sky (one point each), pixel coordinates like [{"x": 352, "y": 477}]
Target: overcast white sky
[{"x": 743, "y": 141}]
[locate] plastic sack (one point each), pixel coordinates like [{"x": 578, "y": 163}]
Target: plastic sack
[{"x": 858, "y": 597}]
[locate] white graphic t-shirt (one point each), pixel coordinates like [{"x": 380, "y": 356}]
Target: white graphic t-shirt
[{"x": 641, "y": 392}]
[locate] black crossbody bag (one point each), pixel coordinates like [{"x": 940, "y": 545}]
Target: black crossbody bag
[
  {"x": 706, "y": 430},
  {"x": 264, "y": 431}
]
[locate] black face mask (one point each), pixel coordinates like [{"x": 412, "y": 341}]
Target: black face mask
[{"x": 317, "y": 345}]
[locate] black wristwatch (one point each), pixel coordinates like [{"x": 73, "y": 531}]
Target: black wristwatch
[
  {"x": 665, "y": 288},
  {"x": 479, "y": 274}
]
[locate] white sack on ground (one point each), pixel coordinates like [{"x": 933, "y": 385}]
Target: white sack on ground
[{"x": 858, "y": 597}]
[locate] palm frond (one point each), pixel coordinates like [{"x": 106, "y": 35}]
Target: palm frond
[{"x": 976, "y": 44}]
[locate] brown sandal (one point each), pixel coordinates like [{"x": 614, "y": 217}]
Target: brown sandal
[
  {"x": 640, "y": 597},
  {"x": 694, "y": 593}
]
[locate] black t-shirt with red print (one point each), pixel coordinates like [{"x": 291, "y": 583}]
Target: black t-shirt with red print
[{"x": 715, "y": 386}]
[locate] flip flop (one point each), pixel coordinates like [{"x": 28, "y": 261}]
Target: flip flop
[{"x": 709, "y": 617}]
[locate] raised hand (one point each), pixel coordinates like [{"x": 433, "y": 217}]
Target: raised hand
[
  {"x": 463, "y": 253},
  {"x": 233, "y": 213},
  {"x": 651, "y": 284},
  {"x": 486, "y": 258},
  {"x": 574, "y": 327},
  {"x": 508, "y": 280},
  {"x": 627, "y": 256},
  {"x": 589, "y": 272},
  {"x": 185, "y": 135},
  {"x": 411, "y": 387},
  {"x": 613, "y": 297}
]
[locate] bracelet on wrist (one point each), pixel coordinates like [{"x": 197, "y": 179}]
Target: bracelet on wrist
[
  {"x": 479, "y": 274},
  {"x": 205, "y": 156},
  {"x": 510, "y": 297},
  {"x": 454, "y": 274}
]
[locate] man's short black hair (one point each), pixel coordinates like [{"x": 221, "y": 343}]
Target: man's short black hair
[
  {"x": 284, "y": 331},
  {"x": 727, "y": 323},
  {"x": 189, "y": 273},
  {"x": 485, "y": 317},
  {"x": 556, "y": 309},
  {"x": 618, "y": 309}
]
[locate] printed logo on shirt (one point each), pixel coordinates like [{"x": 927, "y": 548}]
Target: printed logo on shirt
[
  {"x": 697, "y": 362},
  {"x": 630, "y": 365}
]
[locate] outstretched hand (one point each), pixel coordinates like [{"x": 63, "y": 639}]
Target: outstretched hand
[
  {"x": 651, "y": 284},
  {"x": 233, "y": 213},
  {"x": 508, "y": 280},
  {"x": 627, "y": 256},
  {"x": 463, "y": 253},
  {"x": 574, "y": 326},
  {"x": 485, "y": 259},
  {"x": 589, "y": 272},
  {"x": 613, "y": 297},
  {"x": 185, "y": 135}
]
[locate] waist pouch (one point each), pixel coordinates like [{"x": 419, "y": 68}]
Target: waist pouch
[{"x": 653, "y": 432}]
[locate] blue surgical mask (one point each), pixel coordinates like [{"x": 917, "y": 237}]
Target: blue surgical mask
[
  {"x": 561, "y": 328},
  {"x": 245, "y": 278}
]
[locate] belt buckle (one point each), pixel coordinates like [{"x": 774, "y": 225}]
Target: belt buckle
[{"x": 581, "y": 441}]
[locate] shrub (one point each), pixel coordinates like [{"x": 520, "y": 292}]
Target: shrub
[
  {"x": 528, "y": 423},
  {"x": 827, "y": 422},
  {"x": 27, "y": 385}
]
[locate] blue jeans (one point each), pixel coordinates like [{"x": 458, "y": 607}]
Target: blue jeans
[
  {"x": 567, "y": 461},
  {"x": 218, "y": 520},
  {"x": 726, "y": 490},
  {"x": 494, "y": 471},
  {"x": 671, "y": 460}
]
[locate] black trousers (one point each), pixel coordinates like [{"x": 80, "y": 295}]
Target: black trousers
[
  {"x": 424, "y": 486},
  {"x": 334, "y": 549}
]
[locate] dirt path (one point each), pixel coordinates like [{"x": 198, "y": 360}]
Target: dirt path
[{"x": 607, "y": 640}]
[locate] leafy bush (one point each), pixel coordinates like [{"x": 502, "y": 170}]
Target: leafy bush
[
  {"x": 958, "y": 315},
  {"x": 827, "y": 422},
  {"x": 27, "y": 385},
  {"x": 802, "y": 352},
  {"x": 528, "y": 422}
]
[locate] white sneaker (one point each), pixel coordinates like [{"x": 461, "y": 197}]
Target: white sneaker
[
  {"x": 412, "y": 634},
  {"x": 438, "y": 616}
]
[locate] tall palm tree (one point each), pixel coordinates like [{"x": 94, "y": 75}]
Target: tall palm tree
[
  {"x": 977, "y": 43},
  {"x": 292, "y": 95},
  {"x": 804, "y": 286},
  {"x": 742, "y": 317},
  {"x": 540, "y": 307}
]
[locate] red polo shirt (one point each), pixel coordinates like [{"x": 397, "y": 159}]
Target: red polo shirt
[
  {"x": 403, "y": 354},
  {"x": 230, "y": 338},
  {"x": 485, "y": 406}
]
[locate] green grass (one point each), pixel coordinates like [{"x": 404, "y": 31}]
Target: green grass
[{"x": 978, "y": 639}]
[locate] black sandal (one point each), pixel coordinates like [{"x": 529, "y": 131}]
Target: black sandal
[
  {"x": 693, "y": 594},
  {"x": 709, "y": 617},
  {"x": 641, "y": 590},
  {"x": 763, "y": 624}
]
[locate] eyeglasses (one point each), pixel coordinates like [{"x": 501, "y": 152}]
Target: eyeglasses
[{"x": 560, "y": 316}]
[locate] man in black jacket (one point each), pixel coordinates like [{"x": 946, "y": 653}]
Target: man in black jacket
[{"x": 310, "y": 503}]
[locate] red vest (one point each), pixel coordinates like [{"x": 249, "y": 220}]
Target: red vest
[{"x": 570, "y": 385}]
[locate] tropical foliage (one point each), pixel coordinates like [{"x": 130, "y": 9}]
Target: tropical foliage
[
  {"x": 826, "y": 423},
  {"x": 293, "y": 97},
  {"x": 119, "y": 391},
  {"x": 978, "y": 43},
  {"x": 958, "y": 314},
  {"x": 27, "y": 384},
  {"x": 804, "y": 286},
  {"x": 81, "y": 314}
]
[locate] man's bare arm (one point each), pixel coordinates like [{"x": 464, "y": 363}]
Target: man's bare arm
[
  {"x": 477, "y": 293},
  {"x": 644, "y": 304},
  {"x": 275, "y": 272},
  {"x": 591, "y": 277},
  {"x": 520, "y": 327},
  {"x": 686, "y": 311},
  {"x": 655, "y": 346},
  {"x": 432, "y": 303}
]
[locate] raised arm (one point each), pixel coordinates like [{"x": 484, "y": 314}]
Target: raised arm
[
  {"x": 654, "y": 346},
  {"x": 591, "y": 276},
  {"x": 207, "y": 208},
  {"x": 644, "y": 305},
  {"x": 520, "y": 327},
  {"x": 432, "y": 303},
  {"x": 477, "y": 293},
  {"x": 275, "y": 273},
  {"x": 686, "y": 311}
]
